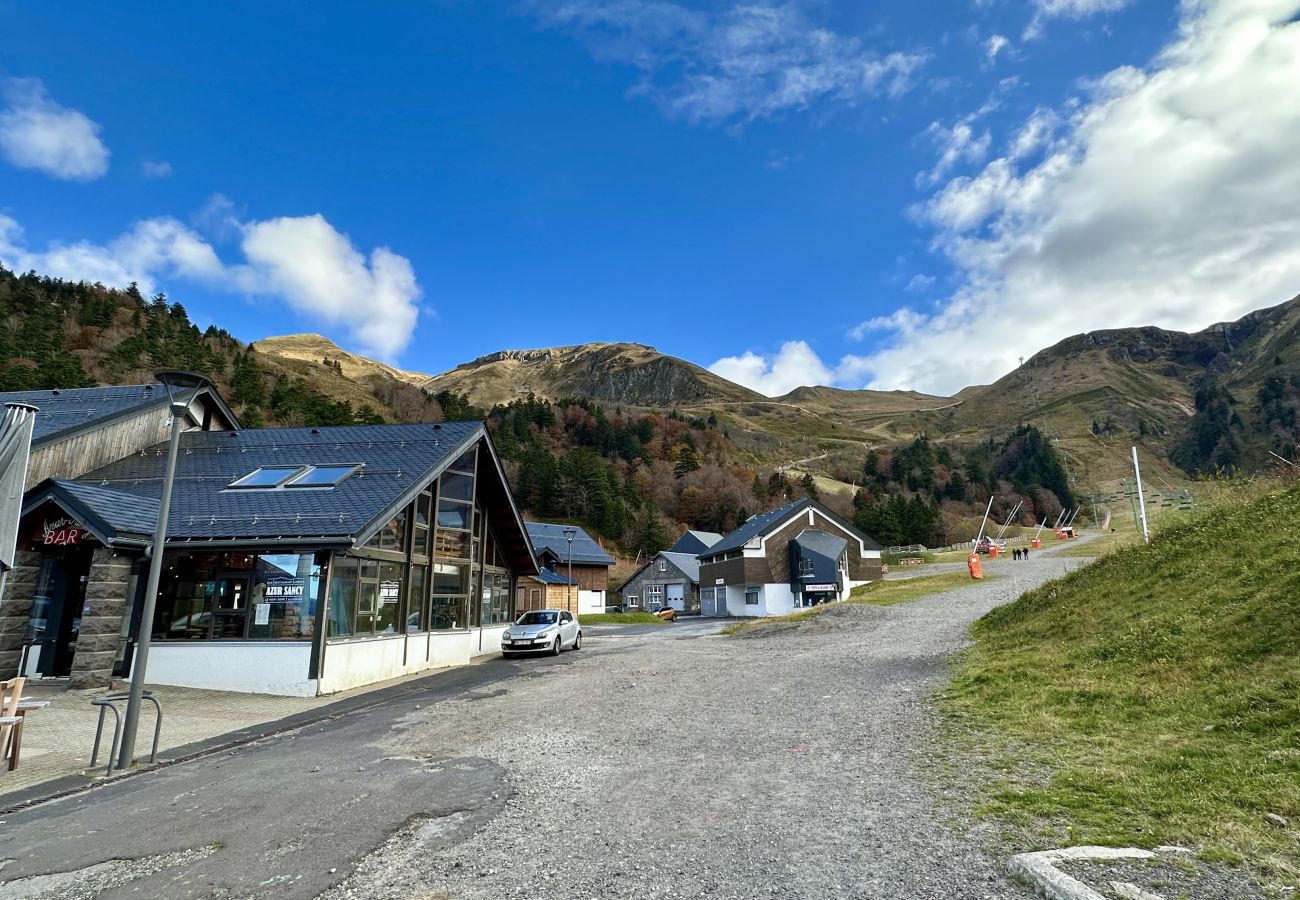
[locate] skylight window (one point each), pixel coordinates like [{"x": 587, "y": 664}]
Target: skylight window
[
  {"x": 322, "y": 476},
  {"x": 266, "y": 477}
]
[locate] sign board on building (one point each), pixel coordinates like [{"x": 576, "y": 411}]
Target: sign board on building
[
  {"x": 62, "y": 532},
  {"x": 719, "y": 581},
  {"x": 389, "y": 592},
  {"x": 819, "y": 587},
  {"x": 284, "y": 589}
]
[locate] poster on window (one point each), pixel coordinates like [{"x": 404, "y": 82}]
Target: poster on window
[
  {"x": 284, "y": 589},
  {"x": 389, "y": 592}
]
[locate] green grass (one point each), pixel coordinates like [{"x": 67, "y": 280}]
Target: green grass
[
  {"x": 878, "y": 593},
  {"x": 1154, "y": 696},
  {"x": 895, "y": 559},
  {"x": 627, "y": 618}
]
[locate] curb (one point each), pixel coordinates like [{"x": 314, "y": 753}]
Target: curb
[
  {"x": 1039, "y": 870},
  {"x": 69, "y": 785}
]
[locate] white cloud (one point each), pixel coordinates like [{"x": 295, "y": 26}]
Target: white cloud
[
  {"x": 1067, "y": 9},
  {"x": 957, "y": 144},
  {"x": 919, "y": 284},
  {"x": 37, "y": 133},
  {"x": 1164, "y": 196},
  {"x": 739, "y": 64},
  {"x": 308, "y": 262},
  {"x": 303, "y": 261},
  {"x": 155, "y": 168},
  {"x": 993, "y": 46},
  {"x": 795, "y": 365}
]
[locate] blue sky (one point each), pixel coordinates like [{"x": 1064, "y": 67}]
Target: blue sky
[{"x": 902, "y": 195}]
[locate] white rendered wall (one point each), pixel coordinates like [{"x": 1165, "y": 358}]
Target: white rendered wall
[
  {"x": 773, "y": 600},
  {"x": 591, "y": 602},
  {"x": 249, "y": 667},
  {"x": 353, "y": 663}
]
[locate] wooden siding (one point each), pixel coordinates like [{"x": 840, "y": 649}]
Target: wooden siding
[{"x": 83, "y": 453}]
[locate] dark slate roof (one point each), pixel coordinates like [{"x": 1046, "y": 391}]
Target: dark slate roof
[
  {"x": 689, "y": 563},
  {"x": 695, "y": 542},
  {"x": 759, "y": 525},
  {"x": 755, "y": 526},
  {"x": 828, "y": 545},
  {"x": 108, "y": 512},
  {"x": 65, "y": 412},
  {"x": 586, "y": 552},
  {"x": 398, "y": 460},
  {"x": 548, "y": 576}
]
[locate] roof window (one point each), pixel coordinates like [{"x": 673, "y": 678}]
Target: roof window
[
  {"x": 266, "y": 477},
  {"x": 322, "y": 476},
  {"x": 270, "y": 478}
]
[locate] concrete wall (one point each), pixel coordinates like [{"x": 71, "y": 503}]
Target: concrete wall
[
  {"x": 773, "y": 600},
  {"x": 252, "y": 667},
  {"x": 352, "y": 663}
]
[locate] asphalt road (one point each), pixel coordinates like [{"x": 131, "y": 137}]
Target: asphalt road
[
  {"x": 657, "y": 762},
  {"x": 288, "y": 816}
]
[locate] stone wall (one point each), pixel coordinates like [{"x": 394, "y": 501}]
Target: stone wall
[
  {"x": 101, "y": 620},
  {"x": 16, "y": 608}
]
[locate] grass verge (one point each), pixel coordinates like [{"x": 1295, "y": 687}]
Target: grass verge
[
  {"x": 1153, "y": 696},
  {"x": 627, "y": 618},
  {"x": 878, "y": 593}
]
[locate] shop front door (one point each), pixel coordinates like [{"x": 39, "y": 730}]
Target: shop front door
[{"x": 55, "y": 618}]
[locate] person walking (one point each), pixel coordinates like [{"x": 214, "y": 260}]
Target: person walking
[
  {"x": 1015, "y": 554},
  {"x": 1024, "y": 554}
]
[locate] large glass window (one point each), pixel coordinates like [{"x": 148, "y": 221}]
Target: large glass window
[
  {"x": 237, "y": 596},
  {"x": 390, "y": 597},
  {"x": 285, "y": 589},
  {"x": 392, "y": 536},
  {"x": 343, "y": 595},
  {"x": 417, "y": 611}
]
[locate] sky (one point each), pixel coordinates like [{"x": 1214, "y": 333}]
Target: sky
[{"x": 897, "y": 195}]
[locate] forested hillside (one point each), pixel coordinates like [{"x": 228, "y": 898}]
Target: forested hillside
[{"x": 636, "y": 477}]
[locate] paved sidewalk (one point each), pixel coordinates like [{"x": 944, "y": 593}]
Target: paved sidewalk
[{"x": 57, "y": 740}]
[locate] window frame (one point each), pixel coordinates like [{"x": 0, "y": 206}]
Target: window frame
[{"x": 290, "y": 471}]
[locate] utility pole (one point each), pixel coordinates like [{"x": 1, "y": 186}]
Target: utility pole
[{"x": 1142, "y": 502}]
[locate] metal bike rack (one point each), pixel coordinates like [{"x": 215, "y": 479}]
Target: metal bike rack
[{"x": 106, "y": 704}]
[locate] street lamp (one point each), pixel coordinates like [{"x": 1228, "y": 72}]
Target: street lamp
[
  {"x": 569, "y": 535},
  {"x": 179, "y": 404}
]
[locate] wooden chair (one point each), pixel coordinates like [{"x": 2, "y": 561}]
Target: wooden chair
[{"x": 11, "y": 723}]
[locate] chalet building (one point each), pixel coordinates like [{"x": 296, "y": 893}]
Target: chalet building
[
  {"x": 297, "y": 561},
  {"x": 799, "y": 555},
  {"x": 666, "y": 579},
  {"x": 695, "y": 542},
  {"x": 590, "y": 564},
  {"x": 545, "y": 590}
]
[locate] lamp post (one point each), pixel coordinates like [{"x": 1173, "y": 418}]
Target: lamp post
[
  {"x": 178, "y": 405},
  {"x": 569, "y": 535}
]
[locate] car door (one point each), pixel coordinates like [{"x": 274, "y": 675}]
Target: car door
[{"x": 568, "y": 628}]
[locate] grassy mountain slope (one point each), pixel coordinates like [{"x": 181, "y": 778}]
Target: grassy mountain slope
[
  {"x": 314, "y": 349},
  {"x": 627, "y": 374},
  {"x": 1156, "y": 693}
]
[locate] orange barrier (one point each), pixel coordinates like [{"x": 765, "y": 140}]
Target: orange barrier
[
  {"x": 993, "y": 550},
  {"x": 973, "y": 564},
  {"x": 1036, "y": 543}
]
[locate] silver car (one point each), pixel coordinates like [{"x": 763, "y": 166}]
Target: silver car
[{"x": 542, "y": 631}]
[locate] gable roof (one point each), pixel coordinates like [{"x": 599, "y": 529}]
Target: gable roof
[
  {"x": 397, "y": 462},
  {"x": 688, "y": 563},
  {"x": 70, "y": 411},
  {"x": 550, "y": 576},
  {"x": 695, "y": 542},
  {"x": 550, "y": 537},
  {"x": 760, "y": 525}
]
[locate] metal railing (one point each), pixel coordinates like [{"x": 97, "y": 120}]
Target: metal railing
[
  {"x": 106, "y": 704},
  {"x": 27, "y": 650}
]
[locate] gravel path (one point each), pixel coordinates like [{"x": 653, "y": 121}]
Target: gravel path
[{"x": 793, "y": 763}]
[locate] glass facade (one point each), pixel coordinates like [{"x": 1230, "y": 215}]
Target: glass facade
[
  {"x": 434, "y": 567},
  {"x": 237, "y": 596}
]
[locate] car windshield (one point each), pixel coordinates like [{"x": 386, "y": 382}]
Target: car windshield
[{"x": 547, "y": 617}]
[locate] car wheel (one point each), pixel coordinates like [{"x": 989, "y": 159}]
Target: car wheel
[
  {"x": 577, "y": 641},
  {"x": 555, "y": 648}
]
